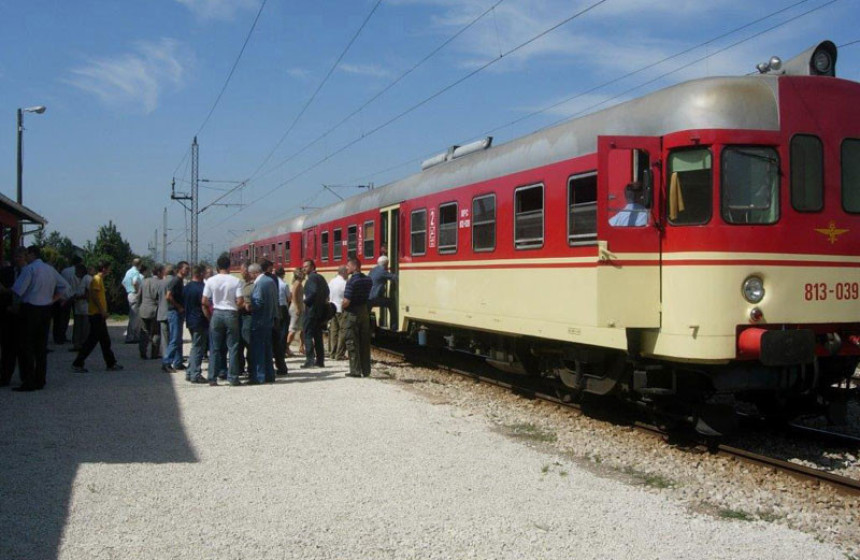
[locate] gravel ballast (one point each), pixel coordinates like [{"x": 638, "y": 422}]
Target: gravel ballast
[{"x": 142, "y": 464}]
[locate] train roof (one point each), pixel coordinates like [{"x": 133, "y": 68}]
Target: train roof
[
  {"x": 748, "y": 103},
  {"x": 289, "y": 225}
]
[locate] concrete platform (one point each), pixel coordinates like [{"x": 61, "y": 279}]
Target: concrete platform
[{"x": 142, "y": 464}]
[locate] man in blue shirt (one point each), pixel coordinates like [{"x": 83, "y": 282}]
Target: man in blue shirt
[
  {"x": 357, "y": 320},
  {"x": 197, "y": 320},
  {"x": 38, "y": 286},
  {"x": 264, "y": 311},
  {"x": 380, "y": 276}
]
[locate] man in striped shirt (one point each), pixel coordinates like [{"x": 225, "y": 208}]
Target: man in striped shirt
[{"x": 357, "y": 320}]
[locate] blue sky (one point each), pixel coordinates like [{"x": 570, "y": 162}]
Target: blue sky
[{"x": 128, "y": 84}]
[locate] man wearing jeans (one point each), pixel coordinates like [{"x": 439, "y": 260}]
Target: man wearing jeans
[
  {"x": 223, "y": 292},
  {"x": 197, "y": 320},
  {"x": 172, "y": 360}
]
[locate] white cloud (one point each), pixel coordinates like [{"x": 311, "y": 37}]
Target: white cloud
[
  {"x": 134, "y": 78},
  {"x": 615, "y": 36},
  {"x": 219, "y": 9},
  {"x": 372, "y": 70},
  {"x": 299, "y": 73}
]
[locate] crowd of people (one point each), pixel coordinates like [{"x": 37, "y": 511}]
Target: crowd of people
[{"x": 239, "y": 325}]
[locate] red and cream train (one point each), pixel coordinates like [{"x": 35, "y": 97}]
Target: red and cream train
[{"x": 701, "y": 240}]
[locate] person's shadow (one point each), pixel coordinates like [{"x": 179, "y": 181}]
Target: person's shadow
[{"x": 128, "y": 416}]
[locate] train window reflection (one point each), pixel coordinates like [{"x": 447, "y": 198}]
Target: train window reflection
[
  {"x": 324, "y": 245},
  {"x": 337, "y": 244},
  {"x": 419, "y": 232},
  {"x": 750, "y": 185},
  {"x": 528, "y": 217},
  {"x": 351, "y": 241},
  {"x": 851, "y": 175},
  {"x": 368, "y": 239},
  {"x": 448, "y": 228},
  {"x": 582, "y": 209},
  {"x": 484, "y": 223},
  {"x": 690, "y": 187},
  {"x": 807, "y": 173}
]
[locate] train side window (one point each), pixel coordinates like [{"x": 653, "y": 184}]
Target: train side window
[
  {"x": 280, "y": 253},
  {"x": 351, "y": 241},
  {"x": 750, "y": 185},
  {"x": 528, "y": 217},
  {"x": 851, "y": 175},
  {"x": 324, "y": 246},
  {"x": 448, "y": 228},
  {"x": 807, "y": 173},
  {"x": 690, "y": 187},
  {"x": 582, "y": 209},
  {"x": 484, "y": 223},
  {"x": 419, "y": 232},
  {"x": 337, "y": 244},
  {"x": 369, "y": 233},
  {"x": 287, "y": 252}
]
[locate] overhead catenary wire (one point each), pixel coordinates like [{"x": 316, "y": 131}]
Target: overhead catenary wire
[
  {"x": 316, "y": 92},
  {"x": 418, "y": 105},
  {"x": 226, "y": 82},
  {"x": 621, "y": 78},
  {"x": 313, "y": 166},
  {"x": 687, "y": 65},
  {"x": 383, "y": 91}
]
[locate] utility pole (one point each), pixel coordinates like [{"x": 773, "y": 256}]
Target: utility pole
[
  {"x": 164, "y": 239},
  {"x": 194, "y": 205}
]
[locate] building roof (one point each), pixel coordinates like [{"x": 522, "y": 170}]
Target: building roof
[{"x": 21, "y": 212}]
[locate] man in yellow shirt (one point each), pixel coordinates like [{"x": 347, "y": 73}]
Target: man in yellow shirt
[{"x": 98, "y": 312}]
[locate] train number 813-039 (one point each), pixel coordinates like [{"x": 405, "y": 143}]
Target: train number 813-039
[{"x": 822, "y": 291}]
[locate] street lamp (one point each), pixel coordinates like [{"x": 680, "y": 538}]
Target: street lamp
[{"x": 39, "y": 109}]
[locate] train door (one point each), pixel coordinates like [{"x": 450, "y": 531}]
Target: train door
[
  {"x": 310, "y": 249},
  {"x": 252, "y": 250},
  {"x": 628, "y": 231},
  {"x": 389, "y": 245}
]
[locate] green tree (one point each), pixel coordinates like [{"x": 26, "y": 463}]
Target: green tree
[
  {"x": 111, "y": 247},
  {"x": 57, "y": 249}
]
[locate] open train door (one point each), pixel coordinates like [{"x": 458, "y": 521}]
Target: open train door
[
  {"x": 628, "y": 231},
  {"x": 389, "y": 245}
]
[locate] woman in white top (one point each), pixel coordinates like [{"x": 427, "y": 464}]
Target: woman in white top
[{"x": 297, "y": 307}]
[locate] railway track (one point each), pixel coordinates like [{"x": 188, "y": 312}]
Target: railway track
[{"x": 840, "y": 483}]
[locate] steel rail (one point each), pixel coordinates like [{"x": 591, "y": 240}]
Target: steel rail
[{"x": 840, "y": 483}]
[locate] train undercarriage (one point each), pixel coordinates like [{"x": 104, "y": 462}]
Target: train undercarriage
[{"x": 707, "y": 397}]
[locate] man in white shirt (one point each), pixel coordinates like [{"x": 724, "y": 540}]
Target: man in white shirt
[
  {"x": 336, "y": 330},
  {"x": 223, "y": 294},
  {"x": 38, "y": 286},
  {"x": 132, "y": 282}
]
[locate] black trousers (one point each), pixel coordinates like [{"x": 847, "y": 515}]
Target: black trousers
[
  {"x": 62, "y": 313},
  {"x": 34, "y": 346},
  {"x": 98, "y": 335},
  {"x": 312, "y": 330},
  {"x": 279, "y": 346},
  {"x": 10, "y": 346}
]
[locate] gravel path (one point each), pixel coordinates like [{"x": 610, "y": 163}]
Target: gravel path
[{"x": 141, "y": 464}]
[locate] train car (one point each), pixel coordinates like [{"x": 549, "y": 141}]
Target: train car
[
  {"x": 702, "y": 240},
  {"x": 281, "y": 243}
]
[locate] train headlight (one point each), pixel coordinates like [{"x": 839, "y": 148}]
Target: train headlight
[
  {"x": 822, "y": 62},
  {"x": 753, "y": 289}
]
